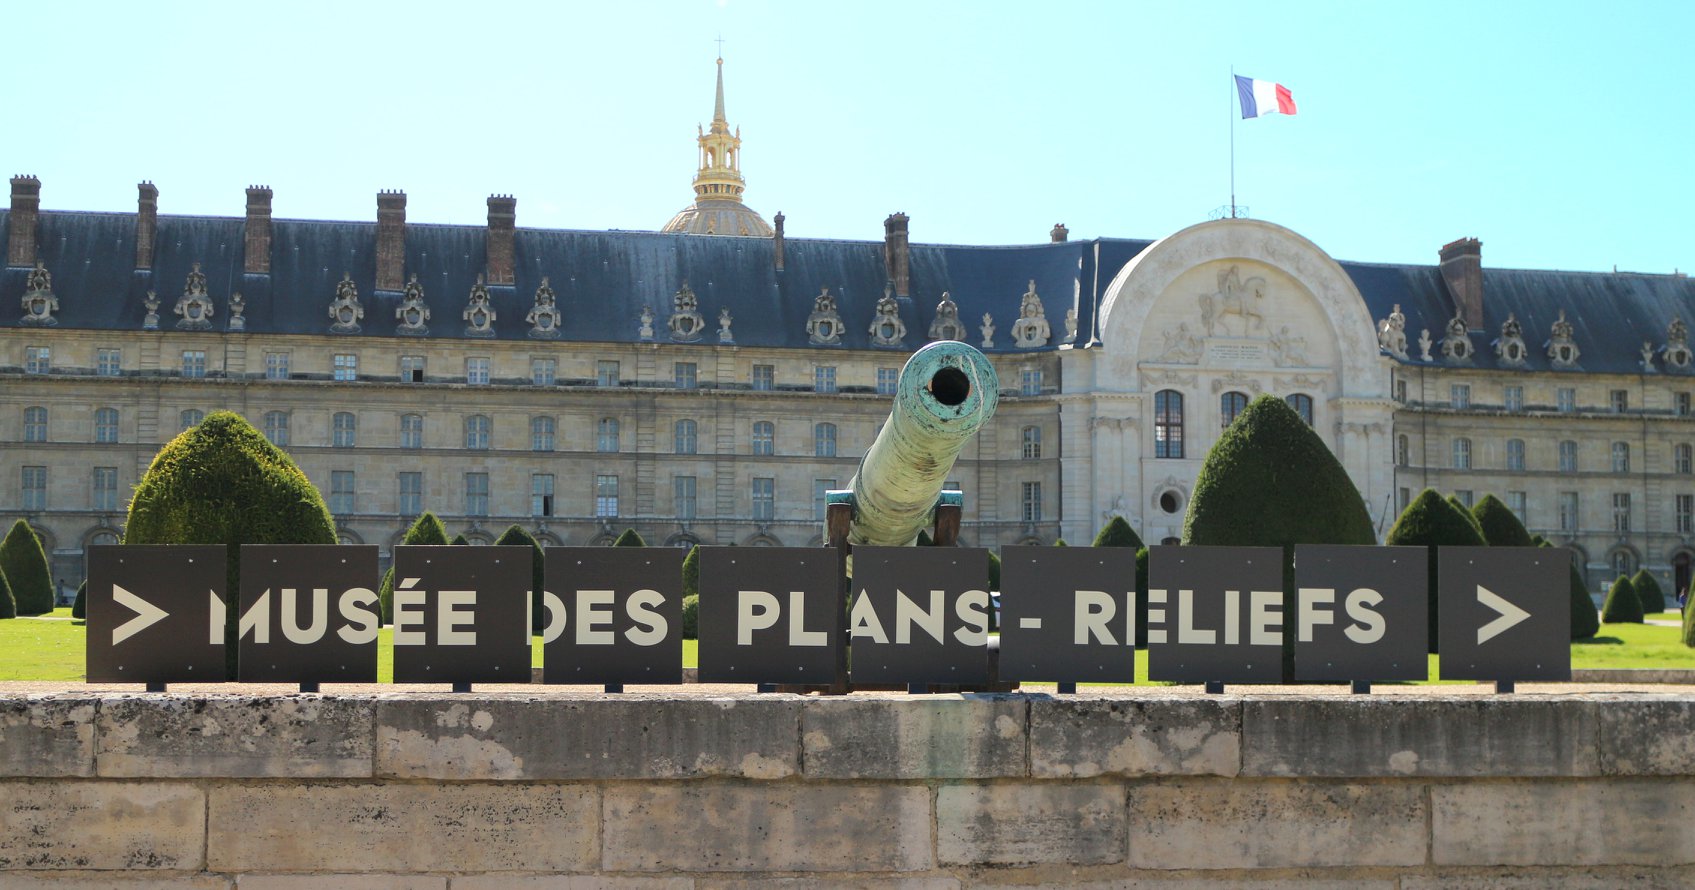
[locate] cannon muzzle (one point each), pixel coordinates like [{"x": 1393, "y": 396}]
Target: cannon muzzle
[{"x": 946, "y": 392}]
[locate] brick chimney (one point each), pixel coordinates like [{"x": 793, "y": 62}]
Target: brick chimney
[
  {"x": 896, "y": 258},
  {"x": 777, "y": 240},
  {"x": 502, "y": 220},
  {"x": 258, "y": 230},
  {"x": 391, "y": 240},
  {"x": 146, "y": 223},
  {"x": 1060, "y": 233},
  {"x": 26, "y": 206},
  {"x": 1462, "y": 272}
]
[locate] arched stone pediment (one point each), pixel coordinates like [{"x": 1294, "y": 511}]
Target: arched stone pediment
[{"x": 1271, "y": 296}]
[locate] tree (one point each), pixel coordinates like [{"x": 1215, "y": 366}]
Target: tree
[
  {"x": 516, "y": 535},
  {"x": 221, "y": 482},
  {"x": 1455, "y": 502},
  {"x": 1622, "y": 606},
  {"x": 1500, "y": 526},
  {"x": 924, "y": 539},
  {"x": 691, "y": 617},
  {"x": 691, "y": 572},
  {"x": 629, "y": 539},
  {"x": 1118, "y": 533},
  {"x": 1585, "y": 623},
  {"x": 1648, "y": 592},
  {"x": 1429, "y": 521},
  {"x": 25, "y": 565},
  {"x": 426, "y": 529},
  {"x": 79, "y": 609},
  {"x": 8, "y": 606},
  {"x": 460, "y": 539},
  {"x": 1270, "y": 481},
  {"x": 1060, "y": 542},
  {"x": 994, "y": 571}
]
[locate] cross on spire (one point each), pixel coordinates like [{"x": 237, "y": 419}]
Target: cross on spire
[{"x": 720, "y": 42}]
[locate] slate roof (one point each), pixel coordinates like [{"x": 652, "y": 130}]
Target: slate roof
[{"x": 603, "y": 279}]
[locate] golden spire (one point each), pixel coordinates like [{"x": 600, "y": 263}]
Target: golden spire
[{"x": 718, "y": 183}]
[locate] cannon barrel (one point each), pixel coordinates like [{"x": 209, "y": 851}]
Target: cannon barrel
[{"x": 945, "y": 393}]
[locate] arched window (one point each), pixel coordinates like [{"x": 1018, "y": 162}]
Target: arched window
[
  {"x": 685, "y": 437},
  {"x": 191, "y": 418},
  {"x": 1624, "y": 562},
  {"x": 345, "y": 430},
  {"x": 606, "y": 435},
  {"x": 824, "y": 440},
  {"x": 477, "y": 432},
  {"x": 1229, "y": 405},
  {"x": 1302, "y": 403},
  {"x": 1168, "y": 423},
  {"x": 1462, "y": 453},
  {"x": 276, "y": 428},
  {"x": 106, "y": 425},
  {"x": 1402, "y": 451},
  {"x": 411, "y": 430},
  {"x": 541, "y": 433},
  {"x": 764, "y": 437},
  {"x": 1032, "y": 436},
  {"x": 35, "y": 424}
]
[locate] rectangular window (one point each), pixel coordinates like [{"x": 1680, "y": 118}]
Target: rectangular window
[
  {"x": 1400, "y": 390},
  {"x": 476, "y": 494},
  {"x": 35, "y": 489},
  {"x": 344, "y": 429},
  {"x": 1459, "y": 395},
  {"x": 109, "y": 363},
  {"x": 1462, "y": 454},
  {"x": 824, "y": 378},
  {"x": 683, "y": 375},
  {"x": 106, "y": 489},
  {"x": 1032, "y": 447},
  {"x": 1621, "y": 457},
  {"x": 1030, "y": 382},
  {"x": 1516, "y": 502},
  {"x": 1684, "y": 458},
  {"x": 764, "y": 499},
  {"x": 1168, "y": 423},
  {"x": 1568, "y": 456},
  {"x": 543, "y": 371},
  {"x": 764, "y": 377},
  {"x": 1620, "y": 400},
  {"x": 411, "y": 494},
  {"x": 606, "y": 373},
  {"x": 541, "y": 433},
  {"x": 1512, "y": 398},
  {"x": 1682, "y": 402},
  {"x": 38, "y": 359},
  {"x": 683, "y": 496},
  {"x": 887, "y": 378},
  {"x": 411, "y": 369},
  {"x": 276, "y": 366},
  {"x": 1566, "y": 398},
  {"x": 820, "y": 501},
  {"x": 1568, "y": 511},
  {"x": 476, "y": 371},
  {"x": 341, "y": 492},
  {"x": 1685, "y": 514},
  {"x": 1032, "y": 502},
  {"x": 605, "y": 497},
  {"x": 346, "y": 366},
  {"x": 106, "y": 425},
  {"x": 1402, "y": 499},
  {"x": 541, "y": 494},
  {"x": 1621, "y": 512},
  {"x": 1465, "y": 497},
  {"x": 193, "y": 363},
  {"x": 1515, "y": 455},
  {"x": 411, "y": 430}
]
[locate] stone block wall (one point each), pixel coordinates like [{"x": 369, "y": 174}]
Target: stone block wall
[{"x": 639, "y": 792}]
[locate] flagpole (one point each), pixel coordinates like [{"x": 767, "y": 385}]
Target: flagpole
[{"x": 1230, "y": 110}]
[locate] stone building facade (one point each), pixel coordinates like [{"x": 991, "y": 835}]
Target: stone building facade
[{"x": 710, "y": 389}]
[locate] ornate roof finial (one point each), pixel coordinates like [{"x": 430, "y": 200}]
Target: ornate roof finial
[
  {"x": 719, "y": 124},
  {"x": 718, "y": 184}
]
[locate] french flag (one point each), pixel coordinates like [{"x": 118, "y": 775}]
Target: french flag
[{"x": 1263, "y": 97}]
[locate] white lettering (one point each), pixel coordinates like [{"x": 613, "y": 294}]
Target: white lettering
[
  {"x": 798, "y": 634},
  {"x": 1232, "y": 617},
  {"x": 256, "y": 619},
  {"x": 449, "y": 617},
  {"x": 1368, "y": 626},
  {"x": 556, "y": 617},
  {"x": 589, "y": 617},
  {"x": 291, "y": 614},
  {"x": 214, "y": 609},
  {"x": 863, "y": 621},
  {"x": 755, "y": 610},
  {"x": 640, "y": 607},
  {"x": 1186, "y": 631},
  {"x": 1265, "y": 609},
  {"x": 358, "y": 608},
  {"x": 1308, "y": 602},
  {"x": 1092, "y": 610},
  {"x": 408, "y": 612},
  {"x": 972, "y": 607},
  {"x": 907, "y": 613}
]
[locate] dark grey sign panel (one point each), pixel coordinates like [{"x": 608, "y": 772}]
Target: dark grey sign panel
[
  {"x": 1505, "y": 613},
  {"x": 770, "y": 614},
  {"x": 920, "y": 615},
  {"x": 1360, "y": 613},
  {"x": 461, "y": 614},
  {"x": 1215, "y": 613},
  {"x": 156, "y": 613},
  {"x": 309, "y": 613},
  {"x": 615, "y": 615},
  {"x": 1068, "y": 614}
]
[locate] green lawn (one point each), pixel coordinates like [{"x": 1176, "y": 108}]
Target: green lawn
[{"x": 44, "y": 650}]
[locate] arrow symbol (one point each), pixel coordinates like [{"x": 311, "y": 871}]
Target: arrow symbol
[
  {"x": 146, "y": 615},
  {"x": 1510, "y": 615}
]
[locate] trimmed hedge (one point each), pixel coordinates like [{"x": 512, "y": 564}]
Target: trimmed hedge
[
  {"x": 25, "y": 565},
  {"x": 1648, "y": 592},
  {"x": 1622, "y": 606},
  {"x": 1117, "y": 533},
  {"x": 517, "y": 535},
  {"x": 460, "y": 540},
  {"x": 629, "y": 539},
  {"x": 1270, "y": 480},
  {"x": 426, "y": 529},
  {"x": 691, "y": 573},
  {"x": 8, "y": 606},
  {"x": 1585, "y": 621},
  {"x": 691, "y": 617},
  {"x": 79, "y": 609},
  {"x": 1455, "y": 502},
  {"x": 1429, "y": 521},
  {"x": 221, "y": 482},
  {"x": 1499, "y": 525}
]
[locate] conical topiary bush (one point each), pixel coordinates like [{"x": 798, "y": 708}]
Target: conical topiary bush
[
  {"x": 1430, "y": 521},
  {"x": 25, "y": 565},
  {"x": 1499, "y": 525},
  {"x": 426, "y": 529},
  {"x": 517, "y": 535},
  {"x": 1648, "y": 592},
  {"x": 630, "y": 538},
  {"x": 1622, "y": 606}
]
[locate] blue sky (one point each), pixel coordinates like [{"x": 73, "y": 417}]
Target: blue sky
[{"x": 1558, "y": 133}]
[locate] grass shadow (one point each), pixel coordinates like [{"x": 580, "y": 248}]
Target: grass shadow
[{"x": 1599, "y": 641}]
